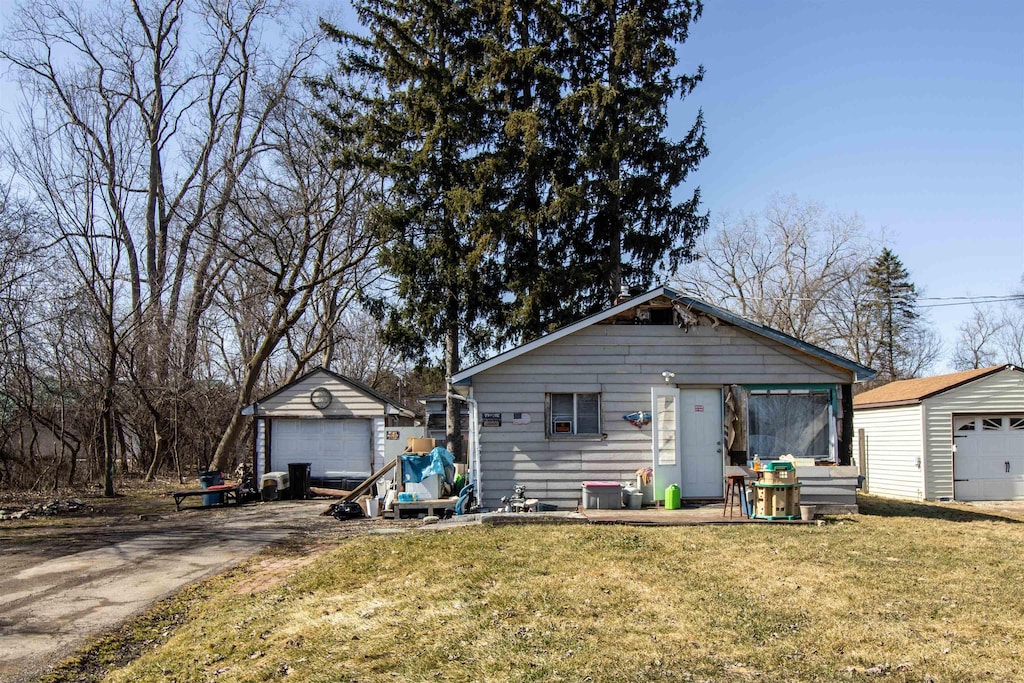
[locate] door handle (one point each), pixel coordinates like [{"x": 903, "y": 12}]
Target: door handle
[{"x": 1007, "y": 463}]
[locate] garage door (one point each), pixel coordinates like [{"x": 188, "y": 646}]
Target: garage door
[
  {"x": 336, "y": 449},
  {"x": 989, "y": 459}
]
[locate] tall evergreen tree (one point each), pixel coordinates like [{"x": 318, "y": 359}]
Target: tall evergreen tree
[
  {"x": 894, "y": 305},
  {"x": 524, "y": 76},
  {"x": 622, "y": 75},
  {"x": 589, "y": 178},
  {"x": 414, "y": 78}
]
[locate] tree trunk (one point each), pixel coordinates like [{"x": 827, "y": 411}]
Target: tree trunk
[{"x": 453, "y": 407}]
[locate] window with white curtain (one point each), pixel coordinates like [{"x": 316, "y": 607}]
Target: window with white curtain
[{"x": 789, "y": 422}]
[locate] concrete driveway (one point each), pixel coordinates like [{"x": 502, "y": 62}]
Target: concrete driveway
[{"x": 72, "y": 582}]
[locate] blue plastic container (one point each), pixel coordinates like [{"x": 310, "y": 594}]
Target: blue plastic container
[{"x": 208, "y": 479}]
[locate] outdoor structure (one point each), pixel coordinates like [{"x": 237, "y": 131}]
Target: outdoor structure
[
  {"x": 338, "y": 425},
  {"x": 958, "y": 436},
  {"x": 660, "y": 381}
]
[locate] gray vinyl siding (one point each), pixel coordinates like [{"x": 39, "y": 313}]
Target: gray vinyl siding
[
  {"x": 347, "y": 401},
  {"x": 895, "y": 446},
  {"x": 622, "y": 362},
  {"x": 1002, "y": 392}
]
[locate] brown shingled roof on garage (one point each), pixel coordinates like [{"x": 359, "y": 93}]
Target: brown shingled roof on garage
[{"x": 914, "y": 390}]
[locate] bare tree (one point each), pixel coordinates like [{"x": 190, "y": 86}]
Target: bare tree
[
  {"x": 976, "y": 346},
  {"x": 297, "y": 230},
  {"x": 786, "y": 268},
  {"x": 804, "y": 271},
  {"x": 143, "y": 118}
]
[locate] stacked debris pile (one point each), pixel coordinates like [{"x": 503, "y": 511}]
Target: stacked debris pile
[{"x": 71, "y": 506}]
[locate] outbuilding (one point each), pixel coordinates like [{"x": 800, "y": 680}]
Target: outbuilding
[
  {"x": 661, "y": 382},
  {"x": 958, "y": 436},
  {"x": 336, "y": 424}
]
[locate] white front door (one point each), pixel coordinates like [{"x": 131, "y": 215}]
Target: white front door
[
  {"x": 687, "y": 441},
  {"x": 701, "y": 426}
]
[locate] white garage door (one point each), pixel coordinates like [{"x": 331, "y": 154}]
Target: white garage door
[
  {"x": 335, "y": 449},
  {"x": 989, "y": 459}
]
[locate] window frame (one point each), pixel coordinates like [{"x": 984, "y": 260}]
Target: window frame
[
  {"x": 549, "y": 416},
  {"x": 831, "y": 393}
]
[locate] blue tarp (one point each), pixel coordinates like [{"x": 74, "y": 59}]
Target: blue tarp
[{"x": 438, "y": 461}]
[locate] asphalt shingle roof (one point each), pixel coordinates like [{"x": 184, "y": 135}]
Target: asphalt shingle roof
[{"x": 913, "y": 390}]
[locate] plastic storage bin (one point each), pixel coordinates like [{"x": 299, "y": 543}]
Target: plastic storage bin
[{"x": 602, "y": 495}]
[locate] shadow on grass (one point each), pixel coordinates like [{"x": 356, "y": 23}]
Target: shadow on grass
[{"x": 949, "y": 512}]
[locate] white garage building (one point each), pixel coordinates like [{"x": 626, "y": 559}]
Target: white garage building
[
  {"x": 951, "y": 437},
  {"x": 336, "y": 424}
]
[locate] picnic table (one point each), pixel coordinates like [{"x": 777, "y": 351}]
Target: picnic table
[{"x": 226, "y": 492}]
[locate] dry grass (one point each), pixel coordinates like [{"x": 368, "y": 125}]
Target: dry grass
[
  {"x": 134, "y": 497},
  {"x": 902, "y": 592}
]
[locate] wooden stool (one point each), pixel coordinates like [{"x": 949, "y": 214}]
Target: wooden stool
[{"x": 735, "y": 484}]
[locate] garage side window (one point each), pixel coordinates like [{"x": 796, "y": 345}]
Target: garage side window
[{"x": 575, "y": 414}]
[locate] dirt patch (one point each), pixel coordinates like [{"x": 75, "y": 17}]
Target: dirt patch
[{"x": 269, "y": 572}]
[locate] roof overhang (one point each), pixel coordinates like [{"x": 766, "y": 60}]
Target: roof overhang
[{"x": 859, "y": 371}]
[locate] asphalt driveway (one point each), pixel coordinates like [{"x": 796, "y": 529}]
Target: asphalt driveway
[{"x": 69, "y": 583}]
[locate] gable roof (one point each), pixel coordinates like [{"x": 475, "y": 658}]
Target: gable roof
[
  {"x": 358, "y": 386},
  {"x": 860, "y": 372},
  {"x": 910, "y": 391}
]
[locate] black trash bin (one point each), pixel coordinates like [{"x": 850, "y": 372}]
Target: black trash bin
[
  {"x": 208, "y": 479},
  {"x": 298, "y": 480}
]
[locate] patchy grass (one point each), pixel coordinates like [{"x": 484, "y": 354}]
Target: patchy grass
[
  {"x": 903, "y": 592},
  {"x": 133, "y": 497}
]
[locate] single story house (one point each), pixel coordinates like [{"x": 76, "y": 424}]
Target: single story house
[
  {"x": 338, "y": 425},
  {"x": 660, "y": 381},
  {"x": 952, "y": 437}
]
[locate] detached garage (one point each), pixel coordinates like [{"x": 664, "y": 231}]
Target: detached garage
[
  {"x": 951, "y": 437},
  {"x": 335, "y": 423}
]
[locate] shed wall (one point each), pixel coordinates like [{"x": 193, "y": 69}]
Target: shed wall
[
  {"x": 347, "y": 401},
  {"x": 895, "y": 450},
  {"x": 622, "y": 362},
  {"x": 1002, "y": 392}
]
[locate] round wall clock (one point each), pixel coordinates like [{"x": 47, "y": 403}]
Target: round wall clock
[{"x": 320, "y": 398}]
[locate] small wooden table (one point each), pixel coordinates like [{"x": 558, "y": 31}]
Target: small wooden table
[{"x": 226, "y": 492}]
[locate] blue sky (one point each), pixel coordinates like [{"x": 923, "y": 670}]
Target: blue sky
[{"x": 910, "y": 114}]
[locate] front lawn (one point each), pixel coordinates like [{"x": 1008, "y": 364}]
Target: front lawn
[{"x": 901, "y": 592}]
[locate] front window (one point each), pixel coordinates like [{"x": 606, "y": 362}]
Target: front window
[
  {"x": 793, "y": 422},
  {"x": 575, "y": 414}
]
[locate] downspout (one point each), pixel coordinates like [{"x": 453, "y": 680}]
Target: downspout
[
  {"x": 474, "y": 440},
  {"x": 256, "y": 443}
]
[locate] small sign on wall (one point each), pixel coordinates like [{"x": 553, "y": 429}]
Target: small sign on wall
[
  {"x": 698, "y": 409},
  {"x": 491, "y": 419},
  {"x": 392, "y": 436},
  {"x": 520, "y": 418}
]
